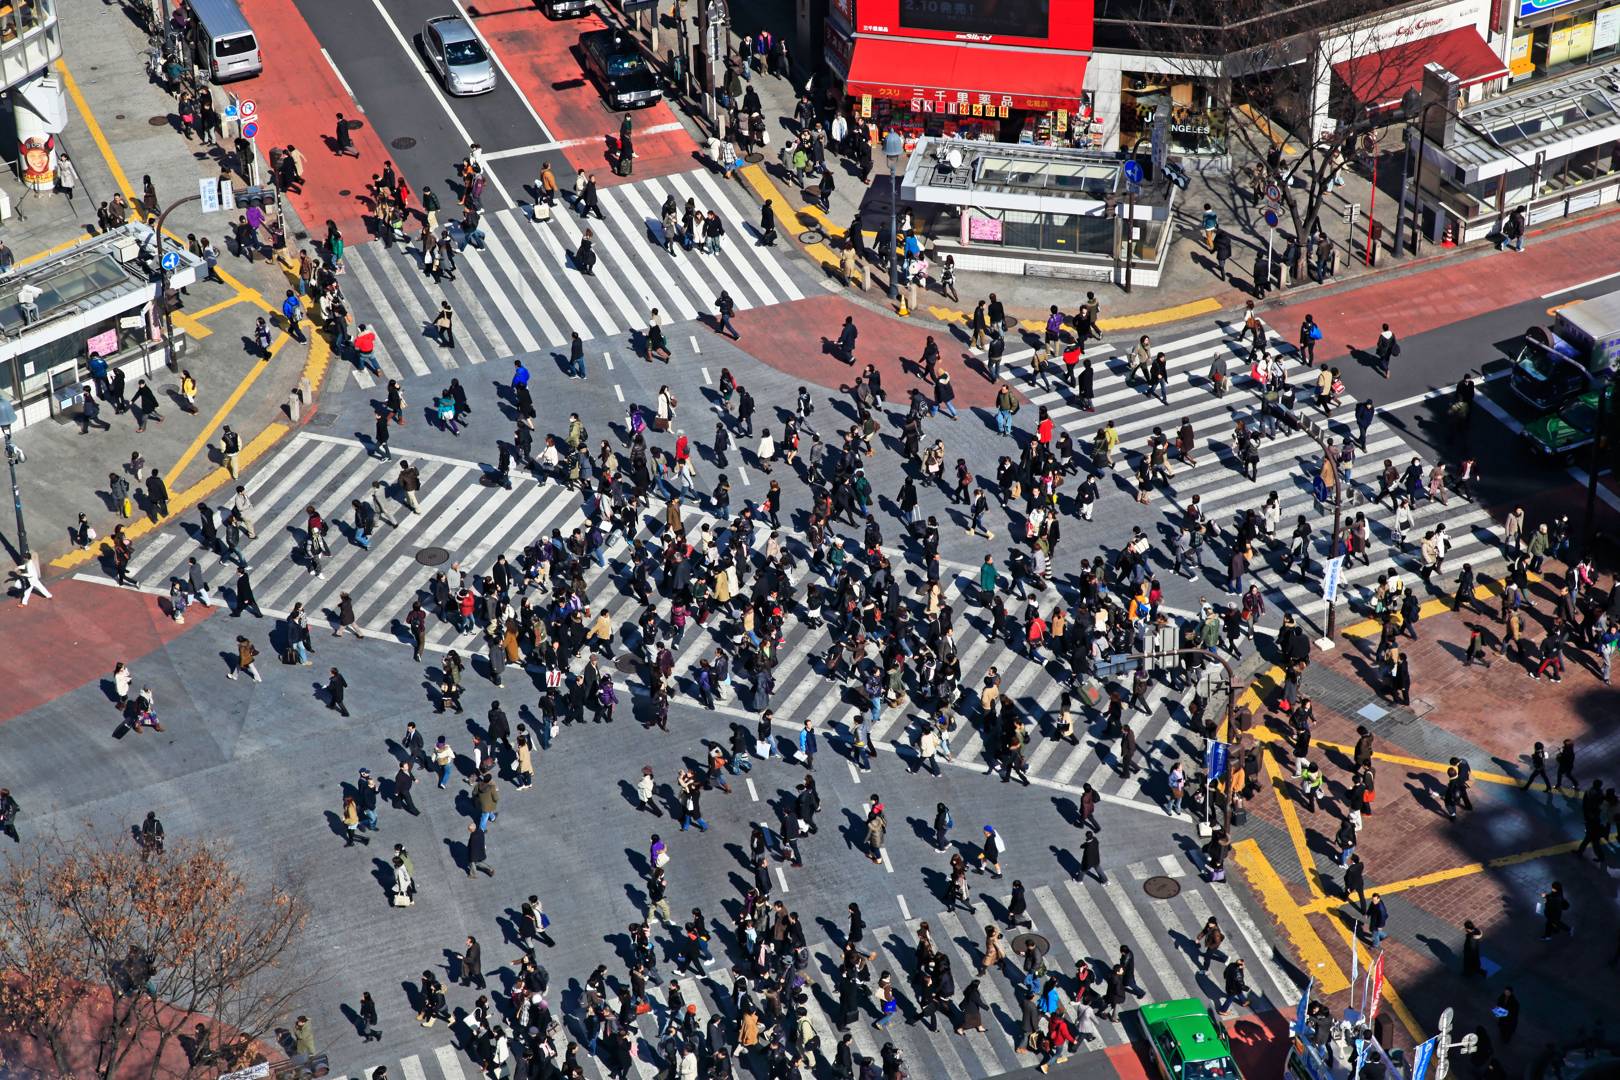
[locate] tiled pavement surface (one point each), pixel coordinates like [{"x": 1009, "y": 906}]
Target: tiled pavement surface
[{"x": 1490, "y": 716}]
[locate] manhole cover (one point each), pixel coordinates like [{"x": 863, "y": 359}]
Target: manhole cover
[
  {"x": 404, "y": 142},
  {"x": 753, "y": 157},
  {"x": 432, "y": 556},
  {"x": 344, "y": 193},
  {"x": 626, "y": 664},
  {"x": 1161, "y": 888},
  {"x": 811, "y": 236},
  {"x": 119, "y": 116},
  {"x": 158, "y": 121},
  {"x": 326, "y": 419}
]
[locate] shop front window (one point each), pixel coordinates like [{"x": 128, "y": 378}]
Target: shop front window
[{"x": 1197, "y": 125}]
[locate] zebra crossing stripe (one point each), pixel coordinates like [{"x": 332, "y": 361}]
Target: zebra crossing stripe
[
  {"x": 671, "y": 298},
  {"x": 628, "y": 315},
  {"x": 685, "y": 263},
  {"x": 412, "y": 1069},
  {"x": 410, "y": 341},
  {"x": 396, "y": 340},
  {"x": 449, "y": 1063},
  {"x": 512, "y": 279},
  {"x": 496, "y": 293},
  {"x": 566, "y": 285},
  {"x": 738, "y": 250},
  {"x": 1147, "y": 946},
  {"x": 785, "y": 284}
]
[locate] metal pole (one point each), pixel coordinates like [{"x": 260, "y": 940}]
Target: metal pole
[
  {"x": 16, "y": 496},
  {"x": 1592, "y": 470},
  {"x": 1372, "y": 209},
  {"x": 1406, "y": 172},
  {"x": 1226, "y": 722},
  {"x": 163, "y": 280},
  {"x": 1130, "y": 237},
  {"x": 1333, "y": 546},
  {"x": 894, "y": 230},
  {"x": 1417, "y": 179}
]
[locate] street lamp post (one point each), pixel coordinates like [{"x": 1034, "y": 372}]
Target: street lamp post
[
  {"x": 163, "y": 279},
  {"x": 1319, "y": 434},
  {"x": 8, "y": 417},
  {"x": 893, "y": 148}
]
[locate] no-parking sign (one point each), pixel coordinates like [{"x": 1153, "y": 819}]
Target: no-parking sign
[{"x": 250, "y": 129}]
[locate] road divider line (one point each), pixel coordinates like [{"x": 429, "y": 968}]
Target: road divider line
[
  {"x": 752, "y": 793},
  {"x": 347, "y": 89}
]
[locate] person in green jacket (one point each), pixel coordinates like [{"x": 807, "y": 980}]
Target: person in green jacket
[{"x": 988, "y": 579}]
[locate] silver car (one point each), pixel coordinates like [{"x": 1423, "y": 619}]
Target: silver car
[{"x": 457, "y": 56}]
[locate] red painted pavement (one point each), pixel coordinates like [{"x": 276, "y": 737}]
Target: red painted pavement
[
  {"x": 301, "y": 97},
  {"x": 789, "y": 337},
  {"x": 540, "y": 55},
  {"x": 54, "y": 646},
  {"x": 1452, "y": 292}
]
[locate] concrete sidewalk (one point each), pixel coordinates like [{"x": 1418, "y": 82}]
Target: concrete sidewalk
[{"x": 122, "y": 129}]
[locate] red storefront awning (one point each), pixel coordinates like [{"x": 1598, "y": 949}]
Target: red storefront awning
[
  {"x": 1379, "y": 79},
  {"x": 951, "y": 78}
]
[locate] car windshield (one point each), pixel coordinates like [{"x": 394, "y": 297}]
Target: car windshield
[
  {"x": 1581, "y": 416},
  {"x": 462, "y": 53},
  {"x": 1215, "y": 1069},
  {"x": 625, "y": 64},
  {"x": 235, "y": 46}
]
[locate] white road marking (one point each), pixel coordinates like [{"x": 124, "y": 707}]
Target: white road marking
[
  {"x": 414, "y": 58},
  {"x": 333, "y": 65},
  {"x": 560, "y": 144}
]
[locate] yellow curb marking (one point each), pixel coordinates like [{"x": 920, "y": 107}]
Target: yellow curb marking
[
  {"x": 1307, "y": 943},
  {"x": 224, "y": 410},
  {"x": 1438, "y": 877},
  {"x": 184, "y": 500}
]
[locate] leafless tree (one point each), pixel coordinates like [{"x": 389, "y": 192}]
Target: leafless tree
[
  {"x": 114, "y": 956},
  {"x": 1266, "y": 56}
]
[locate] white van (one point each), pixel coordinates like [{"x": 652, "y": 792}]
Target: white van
[{"x": 222, "y": 41}]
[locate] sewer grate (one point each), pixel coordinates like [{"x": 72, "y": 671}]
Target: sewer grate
[
  {"x": 404, "y": 142},
  {"x": 433, "y": 556},
  {"x": 324, "y": 419},
  {"x": 1161, "y": 888}
]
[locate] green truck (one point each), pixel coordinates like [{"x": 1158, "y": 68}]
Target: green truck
[{"x": 1188, "y": 1042}]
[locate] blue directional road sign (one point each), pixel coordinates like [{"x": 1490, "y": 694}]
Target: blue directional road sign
[
  {"x": 1133, "y": 171},
  {"x": 171, "y": 260}
]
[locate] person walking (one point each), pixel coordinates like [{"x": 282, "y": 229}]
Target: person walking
[
  {"x": 1386, "y": 350},
  {"x": 724, "y": 308},
  {"x": 367, "y": 1012},
  {"x": 336, "y": 685},
  {"x": 477, "y": 851},
  {"x": 246, "y": 654}
]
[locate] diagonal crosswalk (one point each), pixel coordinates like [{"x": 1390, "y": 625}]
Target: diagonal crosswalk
[
  {"x": 520, "y": 293},
  {"x": 1084, "y": 923}
]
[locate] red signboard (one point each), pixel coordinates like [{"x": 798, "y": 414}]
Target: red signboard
[{"x": 1051, "y": 24}]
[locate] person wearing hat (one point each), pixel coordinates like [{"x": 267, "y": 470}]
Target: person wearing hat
[{"x": 991, "y": 855}]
